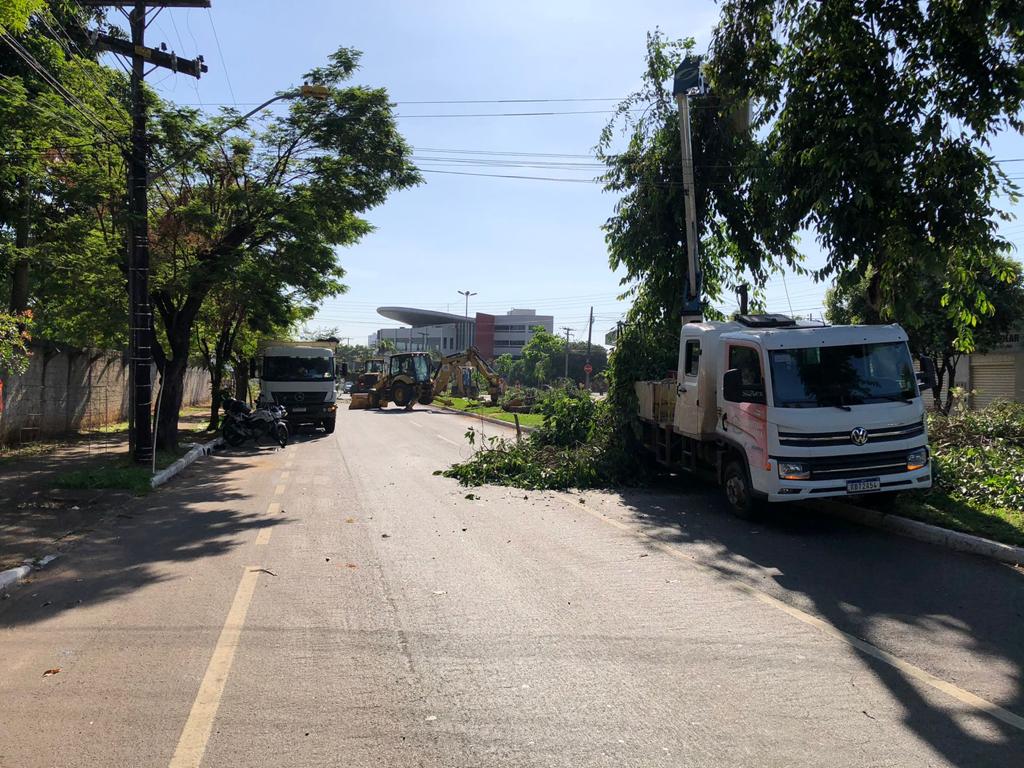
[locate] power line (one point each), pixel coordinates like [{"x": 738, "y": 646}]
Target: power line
[{"x": 220, "y": 53}]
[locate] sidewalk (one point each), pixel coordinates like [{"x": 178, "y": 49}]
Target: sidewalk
[{"x": 36, "y": 516}]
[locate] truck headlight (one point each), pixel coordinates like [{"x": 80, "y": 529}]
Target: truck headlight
[
  {"x": 917, "y": 459},
  {"x": 793, "y": 470}
]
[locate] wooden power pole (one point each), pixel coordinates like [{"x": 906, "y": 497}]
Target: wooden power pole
[
  {"x": 590, "y": 331},
  {"x": 140, "y": 318}
]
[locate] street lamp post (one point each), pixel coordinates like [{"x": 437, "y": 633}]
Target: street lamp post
[{"x": 467, "y": 294}]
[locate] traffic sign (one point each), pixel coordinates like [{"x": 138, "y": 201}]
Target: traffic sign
[{"x": 588, "y": 369}]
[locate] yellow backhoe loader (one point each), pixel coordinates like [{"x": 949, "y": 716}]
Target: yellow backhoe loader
[
  {"x": 405, "y": 380},
  {"x": 454, "y": 369}
]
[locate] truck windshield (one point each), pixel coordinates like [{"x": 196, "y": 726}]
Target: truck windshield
[
  {"x": 816, "y": 377},
  {"x": 298, "y": 368}
]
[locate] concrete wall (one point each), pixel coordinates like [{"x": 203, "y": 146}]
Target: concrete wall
[{"x": 68, "y": 390}]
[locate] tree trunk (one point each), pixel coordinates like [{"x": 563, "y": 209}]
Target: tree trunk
[
  {"x": 173, "y": 382},
  {"x": 216, "y": 381},
  {"x": 241, "y": 381}
]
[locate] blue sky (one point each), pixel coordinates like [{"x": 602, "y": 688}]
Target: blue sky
[{"x": 516, "y": 242}]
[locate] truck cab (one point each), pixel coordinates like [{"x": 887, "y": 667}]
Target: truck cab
[
  {"x": 785, "y": 411},
  {"x": 300, "y": 376}
]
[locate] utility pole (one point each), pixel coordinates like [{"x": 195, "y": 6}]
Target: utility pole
[
  {"x": 590, "y": 331},
  {"x": 688, "y": 80},
  {"x": 140, "y": 318},
  {"x": 467, "y": 294},
  {"x": 567, "y": 332},
  {"x": 423, "y": 344}
]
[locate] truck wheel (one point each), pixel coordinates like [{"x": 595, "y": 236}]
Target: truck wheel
[
  {"x": 329, "y": 425},
  {"x": 401, "y": 394},
  {"x": 738, "y": 491}
]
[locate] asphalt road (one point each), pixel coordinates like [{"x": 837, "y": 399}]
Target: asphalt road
[{"x": 335, "y": 603}]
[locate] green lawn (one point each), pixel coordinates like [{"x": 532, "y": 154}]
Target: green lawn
[
  {"x": 938, "y": 508},
  {"x": 119, "y": 474},
  {"x": 493, "y": 411}
]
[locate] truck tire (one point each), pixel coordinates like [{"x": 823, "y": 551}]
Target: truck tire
[
  {"x": 329, "y": 425},
  {"x": 738, "y": 490},
  {"x": 401, "y": 394}
]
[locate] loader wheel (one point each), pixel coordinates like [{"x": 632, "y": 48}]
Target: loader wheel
[
  {"x": 401, "y": 394},
  {"x": 425, "y": 399}
]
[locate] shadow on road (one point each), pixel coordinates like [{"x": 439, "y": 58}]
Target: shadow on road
[
  {"x": 904, "y": 596},
  {"x": 196, "y": 515}
]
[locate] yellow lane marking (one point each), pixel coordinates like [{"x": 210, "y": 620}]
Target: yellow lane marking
[
  {"x": 279, "y": 490},
  {"x": 446, "y": 439},
  {"x": 263, "y": 536},
  {"x": 285, "y": 475},
  {"x": 273, "y": 508},
  {"x": 961, "y": 695},
  {"x": 196, "y": 733}
]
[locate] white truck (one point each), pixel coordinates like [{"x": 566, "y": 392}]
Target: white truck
[
  {"x": 777, "y": 410},
  {"x": 301, "y": 376}
]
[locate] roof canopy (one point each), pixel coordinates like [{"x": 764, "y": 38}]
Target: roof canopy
[{"x": 418, "y": 318}]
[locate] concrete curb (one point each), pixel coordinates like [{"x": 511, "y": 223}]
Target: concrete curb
[
  {"x": 12, "y": 576},
  {"x": 488, "y": 419},
  {"x": 205, "y": 449},
  {"x": 933, "y": 534}
]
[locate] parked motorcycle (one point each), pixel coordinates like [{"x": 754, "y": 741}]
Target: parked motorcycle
[{"x": 241, "y": 423}]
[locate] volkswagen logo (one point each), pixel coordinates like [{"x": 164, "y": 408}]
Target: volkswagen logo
[
  {"x": 859, "y": 436},
  {"x": 300, "y": 396}
]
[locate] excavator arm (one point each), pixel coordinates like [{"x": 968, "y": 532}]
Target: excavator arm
[{"x": 470, "y": 357}]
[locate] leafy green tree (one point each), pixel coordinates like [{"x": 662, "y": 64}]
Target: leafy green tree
[
  {"x": 14, "y": 14},
  {"x": 511, "y": 369},
  {"x": 14, "y": 339},
  {"x": 62, "y": 183},
  {"x": 539, "y": 355},
  {"x": 872, "y": 130},
  {"x": 933, "y": 330},
  {"x": 646, "y": 235},
  {"x": 290, "y": 192}
]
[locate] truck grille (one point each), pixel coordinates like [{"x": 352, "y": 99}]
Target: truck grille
[
  {"x": 847, "y": 467},
  {"x": 825, "y": 439},
  {"x": 299, "y": 398}
]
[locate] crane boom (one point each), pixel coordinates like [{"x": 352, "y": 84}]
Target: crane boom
[{"x": 687, "y": 80}]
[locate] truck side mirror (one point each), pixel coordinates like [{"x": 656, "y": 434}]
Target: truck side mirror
[
  {"x": 732, "y": 385},
  {"x": 344, "y": 370},
  {"x": 927, "y": 378},
  {"x": 252, "y": 367}
]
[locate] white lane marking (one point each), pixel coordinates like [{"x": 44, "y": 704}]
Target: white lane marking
[
  {"x": 196, "y": 733},
  {"x": 446, "y": 439},
  {"x": 415, "y": 423},
  {"x": 961, "y": 695}
]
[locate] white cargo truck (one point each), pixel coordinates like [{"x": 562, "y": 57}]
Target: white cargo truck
[
  {"x": 777, "y": 410},
  {"x": 301, "y": 376}
]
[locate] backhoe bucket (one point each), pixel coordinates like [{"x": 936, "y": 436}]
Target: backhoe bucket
[{"x": 360, "y": 401}]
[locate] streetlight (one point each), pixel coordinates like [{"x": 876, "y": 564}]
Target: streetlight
[{"x": 467, "y": 294}]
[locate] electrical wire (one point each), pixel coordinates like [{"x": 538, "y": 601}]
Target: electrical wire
[
  {"x": 54, "y": 83},
  {"x": 220, "y": 53}
]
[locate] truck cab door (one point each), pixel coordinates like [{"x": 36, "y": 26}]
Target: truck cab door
[
  {"x": 743, "y": 414},
  {"x": 689, "y": 409}
]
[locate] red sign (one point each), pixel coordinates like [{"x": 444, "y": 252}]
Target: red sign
[{"x": 588, "y": 369}]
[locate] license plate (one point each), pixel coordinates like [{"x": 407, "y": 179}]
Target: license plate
[
  {"x": 860, "y": 486},
  {"x": 300, "y": 409}
]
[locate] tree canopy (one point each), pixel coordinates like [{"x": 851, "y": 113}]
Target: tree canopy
[{"x": 872, "y": 127}]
